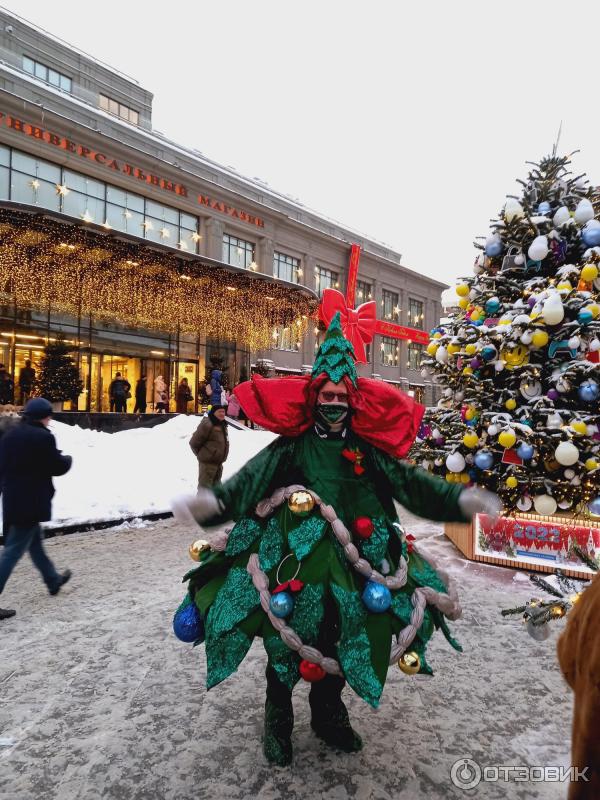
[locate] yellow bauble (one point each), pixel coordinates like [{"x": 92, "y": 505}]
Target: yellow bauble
[
  {"x": 463, "y": 303},
  {"x": 475, "y": 315},
  {"x": 589, "y": 273},
  {"x": 471, "y": 349},
  {"x": 467, "y": 371},
  {"x": 564, "y": 285},
  {"x": 516, "y": 356},
  {"x": 464, "y": 477},
  {"x": 539, "y": 339},
  {"x": 432, "y": 348},
  {"x": 594, "y": 308},
  {"x": 453, "y": 348},
  {"x": 437, "y": 335},
  {"x": 301, "y": 503},
  {"x": 470, "y": 439},
  {"x": 470, "y": 413},
  {"x": 512, "y": 482},
  {"x": 579, "y": 427},
  {"x": 450, "y": 477},
  {"x": 591, "y": 464},
  {"x": 410, "y": 663},
  {"x": 462, "y": 290},
  {"x": 507, "y": 438},
  {"x": 196, "y": 549},
  {"x": 510, "y": 404}
]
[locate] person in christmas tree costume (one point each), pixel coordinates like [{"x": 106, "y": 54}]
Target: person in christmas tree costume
[{"x": 317, "y": 563}]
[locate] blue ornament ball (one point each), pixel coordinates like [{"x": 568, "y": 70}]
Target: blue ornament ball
[
  {"x": 484, "y": 459},
  {"x": 493, "y": 248},
  {"x": 281, "y": 604},
  {"x": 489, "y": 352},
  {"x": 188, "y": 625},
  {"x": 589, "y": 391},
  {"x": 525, "y": 451},
  {"x": 591, "y": 236},
  {"x": 594, "y": 506},
  {"x": 376, "y": 597},
  {"x": 544, "y": 208},
  {"x": 585, "y": 316},
  {"x": 492, "y": 305}
]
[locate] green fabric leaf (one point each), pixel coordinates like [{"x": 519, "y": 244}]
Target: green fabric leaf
[
  {"x": 308, "y": 613},
  {"x": 374, "y": 548},
  {"x": 303, "y": 539},
  {"x": 236, "y": 598},
  {"x": 270, "y": 551},
  {"x": 441, "y": 623},
  {"x": 379, "y": 631},
  {"x": 424, "y": 575},
  {"x": 402, "y": 607},
  {"x": 245, "y": 532},
  {"x": 284, "y": 661},
  {"x": 354, "y": 649},
  {"x": 205, "y": 597},
  {"x": 224, "y": 654}
]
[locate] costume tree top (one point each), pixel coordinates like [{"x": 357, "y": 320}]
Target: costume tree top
[
  {"x": 519, "y": 357},
  {"x": 317, "y": 563}
]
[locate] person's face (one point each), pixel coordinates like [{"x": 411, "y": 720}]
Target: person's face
[
  {"x": 220, "y": 414},
  {"x": 46, "y": 421},
  {"x": 333, "y": 393}
]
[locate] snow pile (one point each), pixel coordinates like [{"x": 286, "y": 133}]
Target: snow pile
[{"x": 135, "y": 472}]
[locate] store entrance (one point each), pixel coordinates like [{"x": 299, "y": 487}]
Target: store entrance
[
  {"x": 189, "y": 370},
  {"x": 22, "y": 355}
]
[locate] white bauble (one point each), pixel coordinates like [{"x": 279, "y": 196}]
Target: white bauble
[
  {"x": 437, "y": 434},
  {"x": 566, "y": 454},
  {"x": 584, "y": 212},
  {"x": 441, "y": 355},
  {"x": 564, "y": 504},
  {"x": 561, "y": 216},
  {"x": 512, "y": 209},
  {"x": 493, "y": 430},
  {"x": 455, "y": 462},
  {"x": 563, "y": 385},
  {"x": 426, "y": 464},
  {"x": 576, "y": 481},
  {"x": 544, "y": 504},
  {"x": 553, "y": 311},
  {"x": 447, "y": 392},
  {"x": 569, "y": 473},
  {"x": 574, "y": 342},
  {"x": 519, "y": 259},
  {"x": 538, "y": 249},
  {"x": 594, "y": 345},
  {"x": 499, "y": 366},
  {"x": 521, "y": 319},
  {"x": 554, "y": 421},
  {"x": 458, "y": 396},
  {"x": 438, "y": 462},
  {"x": 524, "y": 503}
]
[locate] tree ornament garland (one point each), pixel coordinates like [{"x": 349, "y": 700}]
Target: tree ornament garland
[{"x": 521, "y": 353}]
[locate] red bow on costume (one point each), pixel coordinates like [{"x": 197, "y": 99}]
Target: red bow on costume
[
  {"x": 289, "y": 586},
  {"x": 358, "y": 324}
]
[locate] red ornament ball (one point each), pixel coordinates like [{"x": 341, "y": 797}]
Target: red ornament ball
[
  {"x": 363, "y": 527},
  {"x": 311, "y": 672}
]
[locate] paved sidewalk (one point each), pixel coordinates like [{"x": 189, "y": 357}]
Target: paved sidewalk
[{"x": 99, "y": 700}]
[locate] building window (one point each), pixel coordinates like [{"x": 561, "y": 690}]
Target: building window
[
  {"x": 119, "y": 109},
  {"x": 417, "y": 391},
  {"x": 389, "y": 351},
  {"x": 391, "y": 306},
  {"x": 46, "y": 74},
  {"x": 415, "y": 313},
  {"x": 364, "y": 292},
  {"x": 286, "y": 339},
  {"x": 286, "y": 268},
  {"x": 415, "y": 354},
  {"x": 237, "y": 252},
  {"x": 326, "y": 279}
]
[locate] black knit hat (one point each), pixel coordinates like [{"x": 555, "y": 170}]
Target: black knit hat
[{"x": 38, "y": 408}]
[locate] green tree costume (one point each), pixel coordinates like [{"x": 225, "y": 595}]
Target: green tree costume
[{"x": 360, "y": 482}]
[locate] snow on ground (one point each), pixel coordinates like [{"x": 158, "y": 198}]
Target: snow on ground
[{"x": 135, "y": 472}]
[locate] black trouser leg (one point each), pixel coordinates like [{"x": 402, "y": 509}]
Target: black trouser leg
[
  {"x": 279, "y": 721},
  {"x": 329, "y": 715}
]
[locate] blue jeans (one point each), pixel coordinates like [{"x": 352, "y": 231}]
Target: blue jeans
[{"x": 19, "y": 539}]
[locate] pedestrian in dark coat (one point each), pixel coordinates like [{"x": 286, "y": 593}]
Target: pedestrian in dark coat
[
  {"x": 184, "y": 395},
  {"x": 26, "y": 381},
  {"x": 7, "y": 387},
  {"x": 216, "y": 384},
  {"x": 28, "y": 460},
  {"x": 119, "y": 390},
  {"x": 210, "y": 445},
  {"x": 140, "y": 396}
]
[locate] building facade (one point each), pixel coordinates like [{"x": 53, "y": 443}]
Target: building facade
[{"x": 76, "y": 141}]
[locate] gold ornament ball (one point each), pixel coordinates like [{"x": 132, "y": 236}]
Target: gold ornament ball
[
  {"x": 591, "y": 464},
  {"x": 512, "y": 482},
  {"x": 589, "y": 273},
  {"x": 470, "y": 349},
  {"x": 301, "y": 503},
  {"x": 511, "y": 404},
  {"x": 409, "y": 663},
  {"x": 462, "y": 290},
  {"x": 507, "y": 438},
  {"x": 463, "y": 303},
  {"x": 540, "y": 339},
  {"x": 579, "y": 427},
  {"x": 197, "y": 548},
  {"x": 470, "y": 440}
]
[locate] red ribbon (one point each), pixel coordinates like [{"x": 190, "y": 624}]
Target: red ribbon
[
  {"x": 358, "y": 324},
  {"x": 292, "y": 586}
]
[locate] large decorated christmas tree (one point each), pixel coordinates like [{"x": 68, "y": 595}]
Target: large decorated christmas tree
[
  {"x": 518, "y": 355},
  {"x": 58, "y": 378}
]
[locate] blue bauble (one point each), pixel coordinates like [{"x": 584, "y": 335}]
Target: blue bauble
[
  {"x": 585, "y": 316},
  {"x": 494, "y": 248},
  {"x": 544, "y": 208},
  {"x": 591, "y": 236},
  {"x": 594, "y": 506},
  {"x": 492, "y": 305},
  {"x": 489, "y": 352},
  {"x": 484, "y": 459},
  {"x": 589, "y": 391},
  {"x": 281, "y": 604},
  {"x": 376, "y": 597},
  {"x": 525, "y": 451},
  {"x": 188, "y": 625}
]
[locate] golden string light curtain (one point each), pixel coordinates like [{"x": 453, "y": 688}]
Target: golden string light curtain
[{"x": 44, "y": 264}]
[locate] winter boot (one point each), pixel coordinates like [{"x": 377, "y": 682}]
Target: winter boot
[
  {"x": 330, "y": 719},
  {"x": 279, "y": 721}
]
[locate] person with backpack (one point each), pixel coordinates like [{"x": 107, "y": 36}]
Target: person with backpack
[{"x": 119, "y": 392}]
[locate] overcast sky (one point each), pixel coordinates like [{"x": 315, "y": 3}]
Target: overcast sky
[{"x": 407, "y": 121}]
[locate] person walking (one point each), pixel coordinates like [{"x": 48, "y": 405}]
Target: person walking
[
  {"x": 210, "y": 445},
  {"x": 140, "y": 396},
  {"x": 26, "y": 381},
  {"x": 28, "y": 460},
  {"x": 119, "y": 391},
  {"x": 161, "y": 395},
  {"x": 184, "y": 396},
  {"x": 233, "y": 406},
  {"x": 7, "y": 387},
  {"x": 216, "y": 386}
]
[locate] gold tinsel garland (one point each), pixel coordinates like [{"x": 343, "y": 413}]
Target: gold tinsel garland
[{"x": 44, "y": 264}]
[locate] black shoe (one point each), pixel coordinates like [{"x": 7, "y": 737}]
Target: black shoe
[
  {"x": 5, "y": 613},
  {"x": 329, "y": 717},
  {"x": 64, "y": 578}
]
